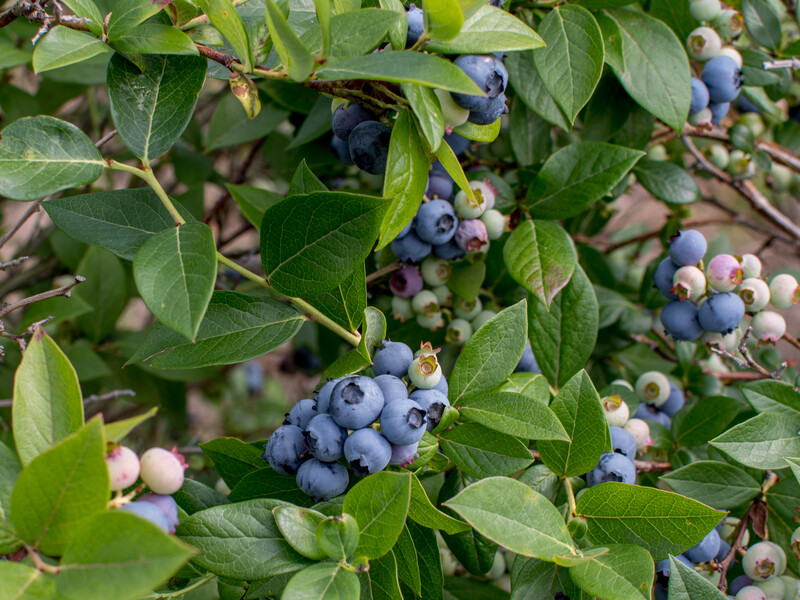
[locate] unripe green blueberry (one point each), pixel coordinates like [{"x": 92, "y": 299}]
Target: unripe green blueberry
[
  {"x": 436, "y": 271},
  {"x": 481, "y": 318},
  {"x": 425, "y": 372},
  {"x": 688, "y": 283},
  {"x": 458, "y": 331},
  {"x": 730, "y": 23},
  {"x": 498, "y": 566},
  {"x": 222, "y": 487},
  {"x": 653, "y": 388},
  {"x": 443, "y": 294},
  {"x": 764, "y": 560},
  {"x": 123, "y": 468},
  {"x": 751, "y": 592},
  {"x": 465, "y": 309},
  {"x": 657, "y": 152},
  {"x": 495, "y": 222},
  {"x": 714, "y": 577},
  {"x": 449, "y": 562},
  {"x": 705, "y": 10},
  {"x": 768, "y": 326},
  {"x": 729, "y": 341},
  {"x": 780, "y": 177},
  {"x": 401, "y": 308},
  {"x": 616, "y": 410},
  {"x": 701, "y": 119},
  {"x": 754, "y": 293},
  {"x": 466, "y": 208},
  {"x": 784, "y": 291},
  {"x": 432, "y": 322},
  {"x": 703, "y": 44},
  {"x": 623, "y": 383},
  {"x": 487, "y": 193},
  {"x": 773, "y": 588},
  {"x": 790, "y": 587},
  {"x": 740, "y": 165},
  {"x": 162, "y": 471},
  {"x": 751, "y": 266},
  {"x": 453, "y": 114},
  {"x": 717, "y": 155},
  {"x": 753, "y": 122},
  {"x": 733, "y": 53},
  {"x": 425, "y": 303},
  {"x": 640, "y": 431}
]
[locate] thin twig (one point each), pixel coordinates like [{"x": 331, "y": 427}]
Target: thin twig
[
  {"x": 734, "y": 375},
  {"x": 383, "y": 271},
  {"x": 13, "y": 263},
  {"x": 748, "y": 362},
  {"x": 792, "y": 340},
  {"x": 105, "y": 139},
  {"x": 726, "y": 562},
  {"x": 240, "y": 176},
  {"x": 108, "y": 396},
  {"x": 32, "y": 209},
  {"x": 651, "y": 466},
  {"x": 21, "y": 338},
  {"x": 64, "y": 290}
]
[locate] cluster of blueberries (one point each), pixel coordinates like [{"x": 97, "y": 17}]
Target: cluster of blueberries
[
  {"x": 160, "y": 470},
  {"x": 725, "y": 289},
  {"x": 721, "y": 78},
  {"x": 340, "y": 421}
]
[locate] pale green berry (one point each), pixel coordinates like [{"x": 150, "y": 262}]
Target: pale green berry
[
  {"x": 443, "y": 294},
  {"x": 751, "y": 266},
  {"x": 689, "y": 283},
  {"x": 616, "y": 410},
  {"x": 640, "y": 431},
  {"x": 701, "y": 118},
  {"x": 768, "y": 326},
  {"x": 764, "y": 560},
  {"x": 703, "y": 44},
  {"x": 161, "y": 471},
  {"x": 449, "y": 562},
  {"x": 458, "y": 331},
  {"x": 466, "y": 208},
  {"x": 495, "y": 222},
  {"x": 773, "y": 588},
  {"x": 717, "y": 155},
  {"x": 733, "y": 53},
  {"x": 425, "y": 303},
  {"x": 754, "y": 293},
  {"x": 730, "y": 23},
  {"x": 653, "y": 387},
  {"x": 123, "y": 468},
  {"x": 780, "y": 177},
  {"x": 436, "y": 271},
  {"x": 784, "y": 291},
  {"x": 465, "y": 309},
  {"x": 657, "y": 152},
  {"x": 705, "y": 10},
  {"x": 432, "y": 322},
  {"x": 425, "y": 372},
  {"x": 481, "y": 318},
  {"x": 795, "y": 542},
  {"x": 790, "y": 587},
  {"x": 498, "y": 567},
  {"x": 453, "y": 114},
  {"x": 623, "y": 383},
  {"x": 753, "y": 122},
  {"x": 401, "y": 309}
]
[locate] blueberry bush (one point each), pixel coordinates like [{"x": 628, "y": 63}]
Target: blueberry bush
[{"x": 520, "y": 274}]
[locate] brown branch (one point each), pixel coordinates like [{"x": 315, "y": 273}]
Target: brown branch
[
  {"x": 105, "y": 139},
  {"x": 792, "y": 340},
  {"x": 32, "y": 209},
  {"x": 384, "y": 271},
  {"x": 651, "y": 466},
  {"x": 21, "y": 338},
  {"x": 734, "y": 375},
  {"x": 748, "y": 362},
  {"x": 726, "y": 562},
  {"x": 8, "y": 264},
  {"x": 88, "y": 399},
  {"x": 64, "y": 290},
  {"x": 237, "y": 179}
]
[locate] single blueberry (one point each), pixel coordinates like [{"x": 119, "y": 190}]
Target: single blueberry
[
  {"x": 167, "y": 505},
  {"x": 442, "y": 386},
  {"x": 458, "y": 144},
  {"x": 301, "y": 413},
  {"x": 323, "y": 396},
  {"x": 440, "y": 185},
  {"x": 471, "y": 235},
  {"x": 724, "y": 548},
  {"x": 718, "y": 111},
  {"x": 662, "y": 278},
  {"x": 490, "y": 75},
  {"x": 404, "y": 455},
  {"x": 286, "y": 449},
  {"x": 433, "y": 402},
  {"x": 392, "y": 358},
  {"x": 324, "y": 438},
  {"x": 410, "y": 248},
  {"x": 406, "y": 230},
  {"x": 687, "y": 247},
  {"x": 706, "y": 549},
  {"x": 721, "y": 312},
  {"x": 321, "y": 480},
  {"x": 699, "y": 96},
  {"x": 346, "y": 118},
  {"x": 612, "y": 467},
  {"x": 367, "y": 451},
  {"x": 746, "y": 106},
  {"x": 491, "y": 113},
  {"x": 356, "y": 403},
  {"x": 436, "y": 222},
  {"x": 527, "y": 363},
  {"x": 662, "y": 566},
  {"x": 645, "y": 411},
  {"x": 148, "y": 511},
  {"x": 416, "y": 25},
  {"x": 393, "y": 388},
  {"x": 723, "y": 78},
  {"x": 448, "y": 251},
  {"x": 742, "y": 581},
  {"x": 369, "y": 146},
  {"x": 342, "y": 150},
  {"x": 680, "y": 320},
  {"x": 406, "y": 282},
  {"x": 623, "y": 443},
  {"x": 675, "y": 401},
  {"x": 403, "y": 422}
]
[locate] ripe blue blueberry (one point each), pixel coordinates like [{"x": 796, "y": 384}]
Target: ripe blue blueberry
[
  {"x": 367, "y": 451},
  {"x": 406, "y": 282},
  {"x": 679, "y": 319},
  {"x": 687, "y": 247},
  {"x": 442, "y": 386},
  {"x": 416, "y": 25},
  {"x": 410, "y": 248},
  {"x": 491, "y": 113},
  {"x": 723, "y": 78},
  {"x": 404, "y": 455},
  {"x": 342, "y": 150},
  {"x": 527, "y": 362},
  {"x": 644, "y": 411},
  {"x": 356, "y": 403},
  {"x": 325, "y": 438},
  {"x": 440, "y": 185},
  {"x": 369, "y": 146},
  {"x": 436, "y": 222},
  {"x": 346, "y": 118},
  {"x": 403, "y": 422},
  {"x": 286, "y": 449},
  {"x": 167, "y": 505},
  {"x": 699, "y": 96},
  {"x": 458, "y": 144},
  {"x": 433, "y": 402},
  {"x": 406, "y": 230},
  {"x": 706, "y": 549},
  {"x": 323, "y": 396},
  {"x": 675, "y": 401},
  {"x": 392, "y": 358},
  {"x": 662, "y": 566},
  {"x": 301, "y": 413},
  {"x": 741, "y": 582},
  {"x": 718, "y": 111},
  {"x": 662, "y": 277},
  {"x": 611, "y": 467},
  {"x": 148, "y": 511},
  {"x": 392, "y": 388},
  {"x": 321, "y": 480},
  {"x": 489, "y": 73},
  {"x": 724, "y": 548},
  {"x": 721, "y": 312},
  {"x": 622, "y": 442},
  {"x": 448, "y": 251}
]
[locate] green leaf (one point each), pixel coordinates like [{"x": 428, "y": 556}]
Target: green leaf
[
  {"x": 354, "y": 33},
  {"x": 529, "y": 134},
  {"x": 48, "y": 405},
  {"x": 11, "y": 56},
  {"x": 563, "y": 338},
  {"x": 60, "y": 489},
  {"x": 512, "y": 414},
  {"x": 324, "y": 581},
  {"x": 116, "y": 431},
  {"x": 667, "y": 181},
  {"x": 324, "y": 10},
  {"x": 466, "y": 279},
  {"x": 105, "y": 290},
  {"x": 9, "y": 472},
  {"x": 717, "y": 484},
  {"x": 235, "y": 328},
  {"x": 576, "y": 176},
  {"x": 706, "y": 419},
  {"x": 152, "y": 107},
  {"x": 577, "y": 405},
  {"x": 479, "y": 133},
  {"x": 379, "y": 503},
  {"x": 304, "y": 181},
  {"x": 482, "y": 452},
  {"x": 120, "y": 555},
  {"x": 175, "y": 271},
  {"x": 429, "y": 561},
  {"x": 443, "y": 19},
  {"x": 253, "y": 201},
  {"x": 540, "y": 257},
  {"x": 688, "y": 584},
  {"x": 408, "y": 567},
  {"x": 397, "y": 34},
  {"x": 63, "y": 46},
  {"x": 402, "y": 67},
  {"x": 406, "y": 176},
  {"x": 21, "y": 581},
  {"x": 772, "y": 396},
  {"x": 233, "y": 459},
  {"x": 195, "y": 496},
  {"x": 762, "y": 442},
  {"x": 373, "y": 332},
  {"x": 224, "y": 17},
  {"x": 345, "y": 304},
  {"x": 654, "y": 68},
  {"x": 41, "y": 155},
  {"x": 675, "y": 14},
  {"x": 88, "y": 10},
  {"x": 530, "y": 385},
  {"x": 230, "y": 125},
  {"x": 119, "y": 220},
  {"x": 453, "y": 166},
  {"x": 128, "y": 14},
  {"x": 295, "y": 57},
  {"x": 513, "y": 515},
  {"x": 624, "y": 573},
  {"x": 572, "y": 62},
  {"x": 299, "y": 527},
  {"x": 762, "y": 23},
  {"x": 794, "y": 463},
  {"x": 240, "y": 541},
  {"x": 155, "y": 38},
  {"x": 337, "y": 535},
  {"x": 381, "y": 581},
  {"x": 429, "y": 118},
  {"x": 426, "y": 514},
  {"x": 661, "y": 522},
  {"x": 490, "y": 354},
  {"x": 311, "y": 242},
  {"x": 489, "y": 29},
  {"x": 530, "y": 88},
  {"x": 266, "y": 483}
]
